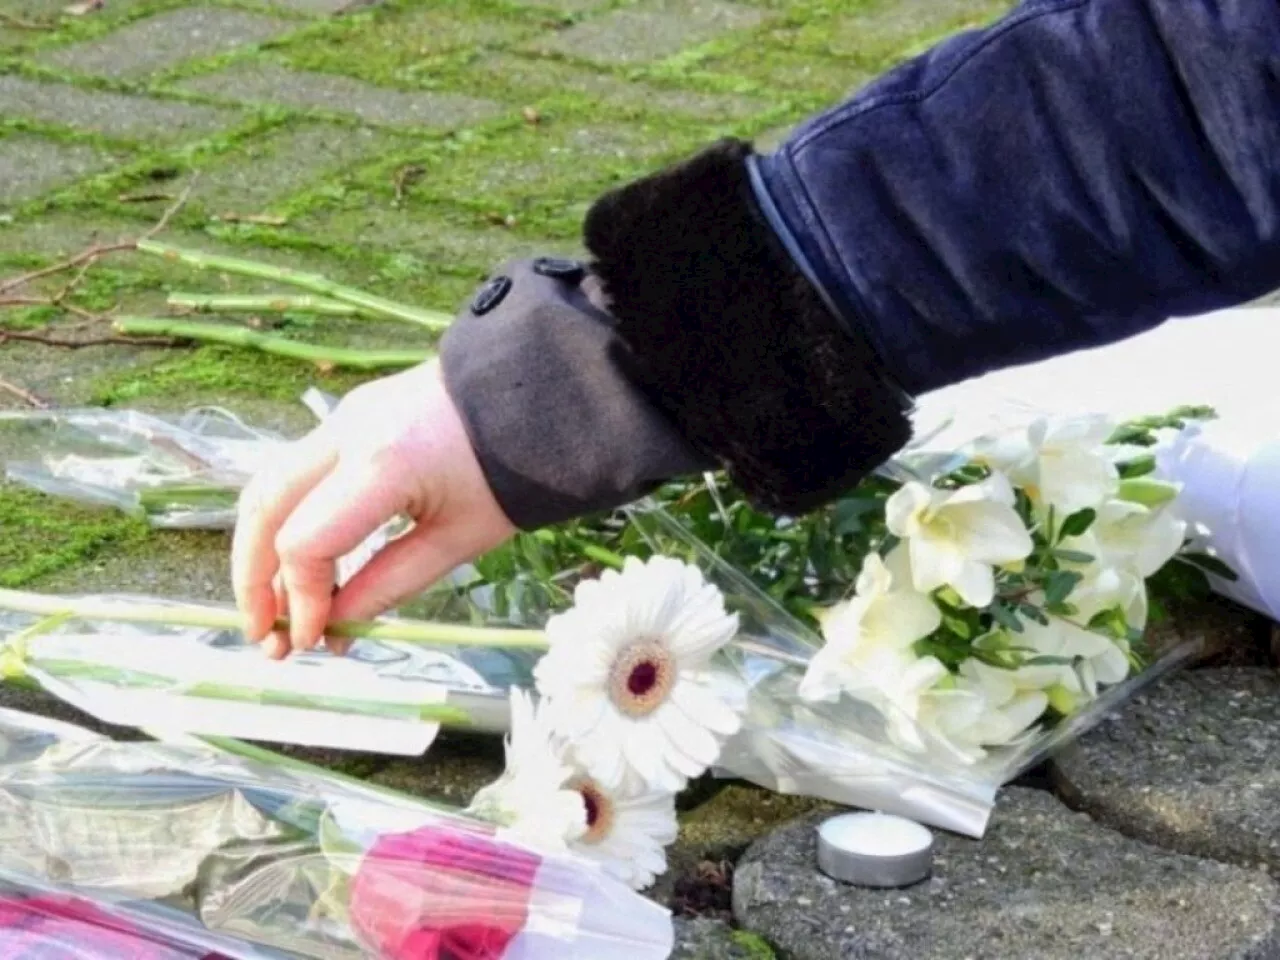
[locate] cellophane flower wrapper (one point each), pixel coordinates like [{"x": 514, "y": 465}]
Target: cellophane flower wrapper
[
  {"x": 186, "y": 846},
  {"x": 383, "y": 696},
  {"x": 182, "y": 473},
  {"x": 1229, "y": 467},
  {"x": 863, "y": 750}
]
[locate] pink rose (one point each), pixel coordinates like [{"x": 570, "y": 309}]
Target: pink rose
[
  {"x": 65, "y": 928},
  {"x": 442, "y": 893}
]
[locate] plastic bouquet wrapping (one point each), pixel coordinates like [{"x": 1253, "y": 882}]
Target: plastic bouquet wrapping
[
  {"x": 911, "y": 648},
  {"x": 186, "y": 849},
  {"x": 189, "y": 668},
  {"x": 185, "y": 472}
]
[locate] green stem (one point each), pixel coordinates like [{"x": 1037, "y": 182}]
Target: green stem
[
  {"x": 240, "y": 303},
  {"x": 426, "y": 712},
  {"x": 311, "y": 282},
  {"x": 188, "y": 496},
  {"x": 267, "y": 343},
  {"x": 215, "y": 618}
]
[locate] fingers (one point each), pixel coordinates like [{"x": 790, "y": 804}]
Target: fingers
[
  {"x": 265, "y": 504},
  {"x": 335, "y": 517},
  {"x": 406, "y": 567}
]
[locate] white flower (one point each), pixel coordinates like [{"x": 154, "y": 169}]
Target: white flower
[
  {"x": 1061, "y": 462},
  {"x": 627, "y": 833},
  {"x": 1133, "y": 536},
  {"x": 628, "y": 679},
  {"x": 1094, "y": 658},
  {"x": 533, "y": 800},
  {"x": 984, "y": 707},
  {"x": 869, "y": 640},
  {"x": 954, "y": 537},
  {"x": 1110, "y": 588}
]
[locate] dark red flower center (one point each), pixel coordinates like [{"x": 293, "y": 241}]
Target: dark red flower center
[{"x": 643, "y": 678}]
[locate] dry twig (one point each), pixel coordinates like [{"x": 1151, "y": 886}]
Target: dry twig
[
  {"x": 52, "y": 340},
  {"x": 26, "y": 396},
  {"x": 13, "y": 20}
]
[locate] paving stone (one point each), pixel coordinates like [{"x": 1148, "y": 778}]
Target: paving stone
[
  {"x": 719, "y": 828},
  {"x": 44, "y": 14},
  {"x": 167, "y": 39},
  {"x": 1045, "y": 882},
  {"x": 799, "y": 73},
  {"x": 902, "y": 27},
  {"x": 431, "y": 240},
  {"x": 564, "y": 6},
  {"x": 268, "y": 83},
  {"x": 321, "y": 6},
  {"x": 649, "y": 31},
  {"x": 700, "y": 938},
  {"x": 535, "y": 78},
  {"x": 543, "y": 162},
  {"x": 1190, "y": 765},
  {"x": 396, "y": 45},
  {"x": 30, "y": 166},
  {"x": 61, "y": 234},
  {"x": 109, "y": 114},
  {"x": 283, "y": 163}
]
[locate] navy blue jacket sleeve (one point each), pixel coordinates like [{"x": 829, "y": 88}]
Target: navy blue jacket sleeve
[
  {"x": 1072, "y": 175},
  {"x": 1075, "y": 174}
]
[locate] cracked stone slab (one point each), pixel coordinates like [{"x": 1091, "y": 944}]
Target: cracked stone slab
[
  {"x": 271, "y": 84},
  {"x": 1045, "y": 882},
  {"x": 30, "y": 166},
  {"x": 1190, "y": 764},
  {"x": 649, "y": 31},
  {"x": 114, "y": 115},
  {"x": 167, "y": 39}
]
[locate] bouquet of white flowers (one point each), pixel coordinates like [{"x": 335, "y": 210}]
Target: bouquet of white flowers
[{"x": 909, "y": 649}]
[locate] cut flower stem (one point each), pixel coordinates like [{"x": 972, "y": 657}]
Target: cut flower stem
[
  {"x": 270, "y": 303},
  {"x": 311, "y": 282},
  {"x": 245, "y": 337}
]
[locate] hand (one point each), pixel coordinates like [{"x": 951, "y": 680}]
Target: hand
[{"x": 392, "y": 447}]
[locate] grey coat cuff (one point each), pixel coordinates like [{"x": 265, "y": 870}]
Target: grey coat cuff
[{"x": 540, "y": 379}]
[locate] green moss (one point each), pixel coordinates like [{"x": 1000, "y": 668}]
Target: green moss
[
  {"x": 44, "y": 536},
  {"x": 753, "y": 947},
  {"x": 210, "y": 372}
]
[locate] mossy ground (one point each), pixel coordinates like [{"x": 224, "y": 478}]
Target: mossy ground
[{"x": 422, "y": 218}]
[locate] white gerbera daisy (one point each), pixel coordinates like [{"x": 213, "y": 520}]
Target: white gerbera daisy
[
  {"x": 628, "y": 680},
  {"x": 627, "y": 833},
  {"x": 533, "y": 800}
]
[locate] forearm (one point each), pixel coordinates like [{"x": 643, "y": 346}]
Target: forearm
[{"x": 1075, "y": 174}]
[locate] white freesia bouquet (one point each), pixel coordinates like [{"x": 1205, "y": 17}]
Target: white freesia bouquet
[{"x": 998, "y": 607}]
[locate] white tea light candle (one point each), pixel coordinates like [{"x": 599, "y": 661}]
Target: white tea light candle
[{"x": 874, "y": 850}]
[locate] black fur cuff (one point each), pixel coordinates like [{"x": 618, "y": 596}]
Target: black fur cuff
[{"x": 732, "y": 342}]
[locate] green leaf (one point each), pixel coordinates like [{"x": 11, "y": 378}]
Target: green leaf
[
  {"x": 1210, "y": 564},
  {"x": 1059, "y": 584},
  {"x": 1077, "y": 524},
  {"x": 1073, "y": 556},
  {"x": 1138, "y": 467},
  {"x": 1032, "y": 612},
  {"x": 1006, "y": 618},
  {"x": 958, "y": 625}
]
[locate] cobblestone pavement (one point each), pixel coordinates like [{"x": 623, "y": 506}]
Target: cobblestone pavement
[{"x": 408, "y": 147}]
